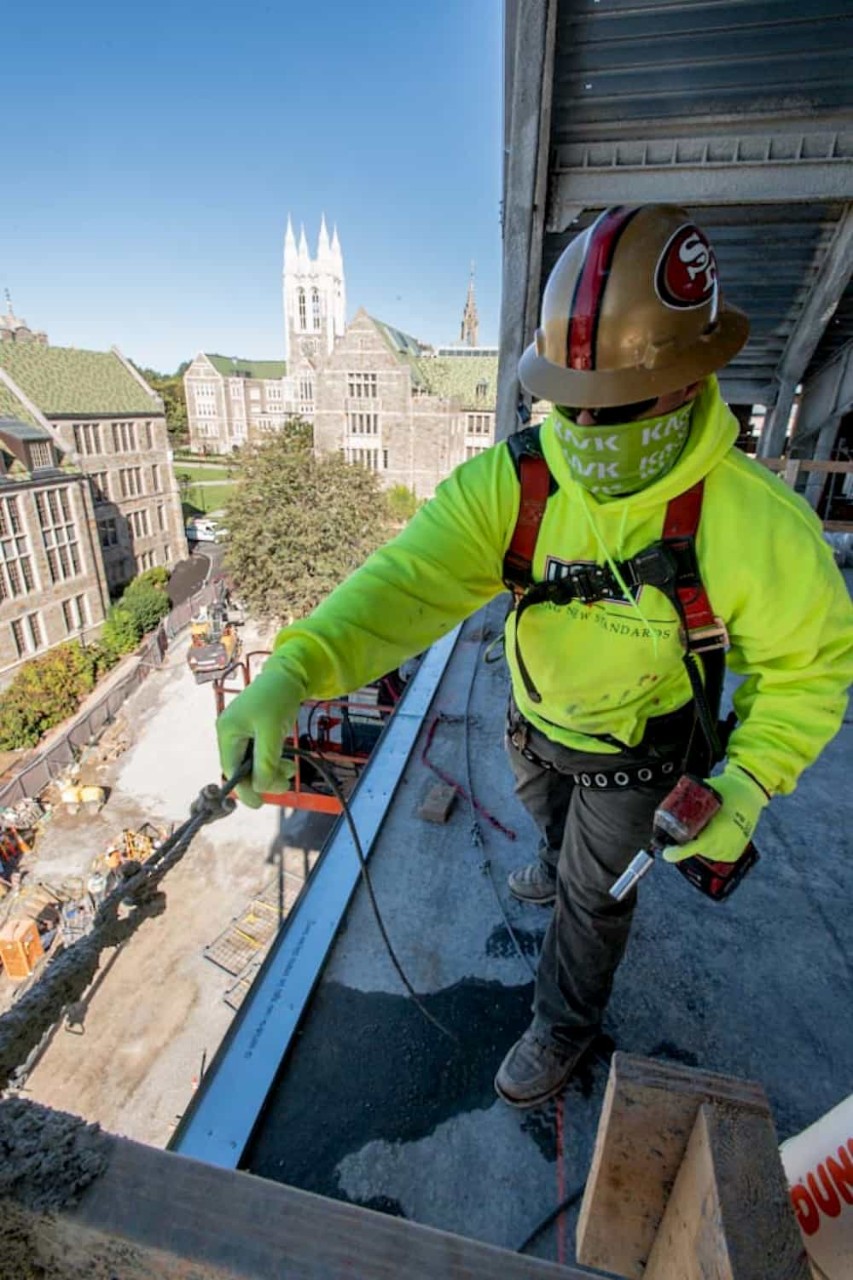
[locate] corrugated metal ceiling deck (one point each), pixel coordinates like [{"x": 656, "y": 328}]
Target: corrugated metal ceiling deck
[
  {"x": 621, "y": 61},
  {"x": 740, "y": 109}
]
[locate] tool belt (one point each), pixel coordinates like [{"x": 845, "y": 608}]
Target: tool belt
[{"x": 661, "y": 756}]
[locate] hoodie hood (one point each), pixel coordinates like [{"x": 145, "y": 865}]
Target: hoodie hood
[{"x": 713, "y": 431}]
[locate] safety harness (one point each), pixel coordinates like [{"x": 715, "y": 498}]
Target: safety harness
[{"x": 670, "y": 565}]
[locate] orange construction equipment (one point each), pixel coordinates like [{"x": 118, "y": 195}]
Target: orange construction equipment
[
  {"x": 341, "y": 731},
  {"x": 214, "y": 643},
  {"x": 20, "y": 948}
]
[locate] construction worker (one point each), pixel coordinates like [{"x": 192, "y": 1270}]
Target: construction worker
[{"x": 615, "y": 677}]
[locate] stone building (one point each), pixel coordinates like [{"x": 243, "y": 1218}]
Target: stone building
[
  {"x": 384, "y": 399},
  {"x": 399, "y": 407},
  {"x": 52, "y": 581},
  {"x": 105, "y": 418},
  {"x": 231, "y": 401}
]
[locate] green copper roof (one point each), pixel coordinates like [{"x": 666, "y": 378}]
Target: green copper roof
[
  {"x": 473, "y": 380},
  {"x": 65, "y": 381},
  {"x": 402, "y": 344},
  {"x": 235, "y": 366},
  {"x": 11, "y": 407}
]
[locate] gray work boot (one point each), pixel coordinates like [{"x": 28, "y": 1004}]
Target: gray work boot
[
  {"x": 533, "y": 883},
  {"x": 533, "y": 1071}
]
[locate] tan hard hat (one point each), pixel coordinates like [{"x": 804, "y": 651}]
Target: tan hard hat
[{"x": 631, "y": 310}]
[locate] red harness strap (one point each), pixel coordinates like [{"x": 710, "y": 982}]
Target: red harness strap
[
  {"x": 535, "y": 481},
  {"x": 704, "y": 629}
]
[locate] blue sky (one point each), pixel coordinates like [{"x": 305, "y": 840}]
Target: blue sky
[{"x": 152, "y": 154}]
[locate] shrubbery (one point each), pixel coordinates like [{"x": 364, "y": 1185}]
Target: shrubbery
[
  {"x": 402, "y": 503},
  {"x": 50, "y": 688}
]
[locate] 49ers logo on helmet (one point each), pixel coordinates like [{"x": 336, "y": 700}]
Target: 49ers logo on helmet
[{"x": 686, "y": 274}]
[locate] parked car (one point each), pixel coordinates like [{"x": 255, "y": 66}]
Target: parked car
[{"x": 205, "y": 531}]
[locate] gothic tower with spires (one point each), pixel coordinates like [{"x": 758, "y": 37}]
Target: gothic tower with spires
[
  {"x": 470, "y": 322},
  {"x": 314, "y": 295}
]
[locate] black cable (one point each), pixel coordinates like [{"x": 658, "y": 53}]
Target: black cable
[
  {"x": 571, "y": 1199},
  {"x": 316, "y": 761},
  {"x": 477, "y": 837}
]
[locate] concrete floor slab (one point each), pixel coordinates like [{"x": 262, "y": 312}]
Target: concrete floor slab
[{"x": 376, "y": 1106}]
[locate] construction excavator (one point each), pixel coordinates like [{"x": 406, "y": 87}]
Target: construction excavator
[{"x": 214, "y": 642}]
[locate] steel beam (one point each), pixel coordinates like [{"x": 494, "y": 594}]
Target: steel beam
[
  {"x": 789, "y": 167},
  {"x": 525, "y": 192},
  {"x": 829, "y": 284},
  {"x": 826, "y": 396}
]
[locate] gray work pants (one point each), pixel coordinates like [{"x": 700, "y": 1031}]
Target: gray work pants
[{"x": 588, "y": 839}]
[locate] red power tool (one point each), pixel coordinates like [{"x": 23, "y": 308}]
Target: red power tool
[{"x": 679, "y": 818}]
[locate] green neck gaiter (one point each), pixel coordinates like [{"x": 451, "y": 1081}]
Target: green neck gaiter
[{"x": 617, "y": 460}]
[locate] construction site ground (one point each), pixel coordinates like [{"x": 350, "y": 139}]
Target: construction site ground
[{"x": 157, "y": 1011}]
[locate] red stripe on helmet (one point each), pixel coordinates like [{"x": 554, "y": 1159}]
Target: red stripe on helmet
[{"x": 589, "y": 290}]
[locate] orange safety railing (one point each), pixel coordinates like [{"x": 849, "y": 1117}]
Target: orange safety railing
[{"x": 326, "y": 715}]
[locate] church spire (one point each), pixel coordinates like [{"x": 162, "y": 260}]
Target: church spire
[
  {"x": 289, "y": 245},
  {"x": 323, "y": 240},
  {"x": 470, "y": 320}
]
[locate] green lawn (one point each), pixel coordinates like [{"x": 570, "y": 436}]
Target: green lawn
[
  {"x": 198, "y": 472},
  {"x": 202, "y": 498}
]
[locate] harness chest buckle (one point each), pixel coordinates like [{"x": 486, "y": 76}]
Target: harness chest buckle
[
  {"x": 708, "y": 638},
  {"x": 589, "y": 582}
]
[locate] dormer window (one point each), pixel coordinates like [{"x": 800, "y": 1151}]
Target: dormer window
[
  {"x": 482, "y": 389},
  {"x": 41, "y": 455}
]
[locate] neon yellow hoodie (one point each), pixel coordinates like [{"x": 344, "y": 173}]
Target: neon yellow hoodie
[{"x": 606, "y": 668}]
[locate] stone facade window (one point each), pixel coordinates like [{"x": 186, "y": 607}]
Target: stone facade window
[
  {"x": 306, "y": 389},
  {"x": 303, "y": 314},
  {"x": 205, "y": 399},
  {"x": 16, "y": 570},
  {"x": 363, "y": 424},
  {"x": 479, "y": 424},
  {"x": 130, "y": 482},
  {"x": 59, "y": 534},
  {"x": 27, "y": 634},
  {"x": 366, "y": 457},
  {"x": 74, "y": 613},
  {"x": 108, "y": 532},
  {"x": 124, "y": 437},
  {"x": 362, "y": 386},
  {"x": 100, "y": 486},
  {"x": 41, "y": 455},
  {"x": 138, "y": 521},
  {"x": 87, "y": 438},
  {"x": 315, "y": 308}
]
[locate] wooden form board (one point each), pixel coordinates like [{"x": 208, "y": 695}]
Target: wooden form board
[
  {"x": 153, "y": 1215},
  {"x": 647, "y": 1119},
  {"x": 728, "y": 1217}
]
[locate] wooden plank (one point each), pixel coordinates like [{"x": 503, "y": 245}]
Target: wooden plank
[
  {"x": 153, "y": 1215},
  {"x": 729, "y": 1216},
  {"x": 648, "y": 1115}
]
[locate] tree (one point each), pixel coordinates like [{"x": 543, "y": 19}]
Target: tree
[
  {"x": 44, "y": 692},
  {"x": 402, "y": 504},
  {"x": 146, "y": 603},
  {"x": 298, "y": 525},
  {"x": 170, "y": 388}
]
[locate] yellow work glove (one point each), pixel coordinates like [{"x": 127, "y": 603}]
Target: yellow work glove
[
  {"x": 730, "y": 830},
  {"x": 260, "y": 717}
]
